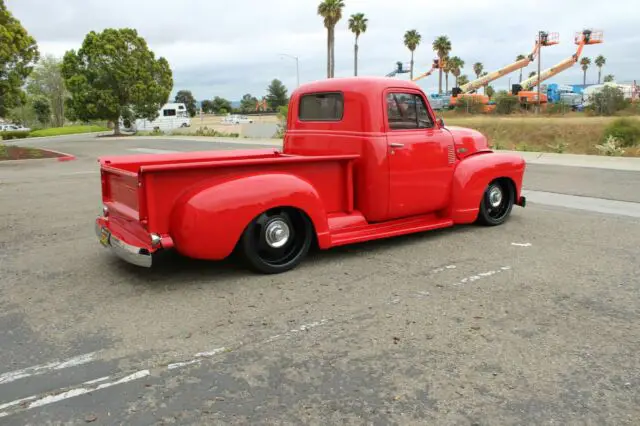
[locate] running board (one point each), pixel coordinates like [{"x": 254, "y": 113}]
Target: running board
[{"x": 388, "y": 229}]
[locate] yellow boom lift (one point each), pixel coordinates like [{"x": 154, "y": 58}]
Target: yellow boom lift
[{"x": 468, "y": 90}]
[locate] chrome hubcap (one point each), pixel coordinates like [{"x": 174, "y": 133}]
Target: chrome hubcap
[
  {"x": 277, "y": 234},
  {"x": 495, "y": 197}
]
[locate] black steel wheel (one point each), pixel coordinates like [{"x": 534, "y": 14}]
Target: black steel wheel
[
  {"x": 277, "y": 240},
  {"x": 497, "y": 203}
]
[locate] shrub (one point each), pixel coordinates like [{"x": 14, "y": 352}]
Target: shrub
[
  {"x": 469, "y": 105},
  {"x": 626, "y": 130},
  {"x": 607, "y": 101},
  {"x": 611, "y": 147},
  {"x": 506, "y": 104},
  {"x": 15, "y": 134}
]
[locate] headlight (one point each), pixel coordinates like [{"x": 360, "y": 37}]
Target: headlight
[{"x": 105, "y": 211}]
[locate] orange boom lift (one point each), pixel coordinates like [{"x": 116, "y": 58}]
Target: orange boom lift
[{"x": 528, "y": 96}]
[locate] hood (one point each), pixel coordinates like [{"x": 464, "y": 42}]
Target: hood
[{"x": 468, "y": 141}]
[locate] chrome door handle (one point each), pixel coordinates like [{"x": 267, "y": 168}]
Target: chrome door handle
[{"x": 397, "y": 145}]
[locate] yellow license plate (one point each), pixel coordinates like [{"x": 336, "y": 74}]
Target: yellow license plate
[{"x": 104, "y": 237}]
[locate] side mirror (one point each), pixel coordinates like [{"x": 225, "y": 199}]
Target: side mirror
[{"x": 440, "y": 122}]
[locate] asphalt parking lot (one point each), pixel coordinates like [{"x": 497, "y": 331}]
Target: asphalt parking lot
[{"x": 532, "y": 322}]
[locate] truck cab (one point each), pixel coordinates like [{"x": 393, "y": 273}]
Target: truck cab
[{"x": 362, "y": 158}]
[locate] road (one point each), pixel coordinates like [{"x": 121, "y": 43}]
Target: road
[{"x": 533, "y": 322}]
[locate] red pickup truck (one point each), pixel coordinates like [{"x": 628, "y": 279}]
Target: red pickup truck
[{"x": 363, "y": 158}]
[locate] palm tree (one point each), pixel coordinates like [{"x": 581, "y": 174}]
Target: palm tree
[
  {"x": 519, "y": 58},
  {"x": 462, "y": 80},
  {"x": 412, "y": 39},
  {"x": 478, "y": 68},
  {"x": 609, "y": 78},
  {"x": 442, "y": 46},
  {"x": 357, "y": 25},
  {"x": 331, "y": 12},
  {"x": 456, "y": 65},
  {"x": 600, "y": 61},
  {"x": 584, "y": 63}
]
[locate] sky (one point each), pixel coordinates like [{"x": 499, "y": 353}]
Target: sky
[{"x": 228, "y": 49}]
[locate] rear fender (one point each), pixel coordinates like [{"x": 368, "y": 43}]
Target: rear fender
[
  {"x": 472, "y": 176},
  {"x": 206, "y": 223}
]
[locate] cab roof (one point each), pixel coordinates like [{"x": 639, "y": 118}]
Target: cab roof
[{"x": 355, "y": 84}]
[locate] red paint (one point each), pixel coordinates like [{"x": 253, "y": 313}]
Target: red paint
[{"x": 347, "y": 175}]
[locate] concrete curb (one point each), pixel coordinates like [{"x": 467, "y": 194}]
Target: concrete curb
[{"x": 579, "y": 160}]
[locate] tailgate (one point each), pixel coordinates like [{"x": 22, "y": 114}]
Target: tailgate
[{"x": 120, "y": 192}]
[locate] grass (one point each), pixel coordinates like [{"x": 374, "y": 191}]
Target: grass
[
  {"x": 67, "y": 130},
  {"x": 575, "y": 134}
]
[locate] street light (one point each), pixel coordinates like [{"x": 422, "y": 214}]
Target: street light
[{"x": 297, "y": 67}]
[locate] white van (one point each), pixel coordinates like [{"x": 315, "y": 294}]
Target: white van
[{"x": 170, "y": 116}]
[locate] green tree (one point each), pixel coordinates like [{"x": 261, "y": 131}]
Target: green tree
[
  {"x": 456, "y": 65},
  {"x": 519, "y": 58},
  {"x": 489, "y": 90},
  {"x": 357, "y": 25},
  {"x": 609, "y": 78},
  {"x": 113, "y": 75},
  {"x": 186, "y": 97},
  {"x": 276, "y": 94},
  {"x": 462, "y": 80},
  {"x": 532, "y": 74},
  {"x": 331, "y": 12},
  {"x": 584, "y": 64},
  {"x": 47, "y": 81},
  {"x": 600, "y": 61},
  {"x": 42, "y": 109},
  {"x": 207, "y": 106},
  {"x": 18, "y": 54},
  {"x": 442, "y": 46},
  {"x": 221, "y": 105},
  {"x": 412, "y": 39},
  {"x": 248, "y": 103}
]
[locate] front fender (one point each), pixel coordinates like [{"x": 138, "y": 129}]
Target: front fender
[
  {"x": 472, "y": 176},
  {"x": 206, "y": 223}
]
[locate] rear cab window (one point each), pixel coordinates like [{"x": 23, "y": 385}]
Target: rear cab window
[
  {"x": 327, "y": 106},
  {"x": 407, "y": 111}
]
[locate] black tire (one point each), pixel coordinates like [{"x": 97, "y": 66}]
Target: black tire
[
  {"x": 261, "y": 241},
  {"x": 496, "y": 204}
]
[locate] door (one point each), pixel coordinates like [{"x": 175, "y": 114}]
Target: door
[{"x": 421, "y": 156}]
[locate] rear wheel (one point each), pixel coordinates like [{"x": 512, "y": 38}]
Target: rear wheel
[
  {"x": 497, "y": 203},
  {"x": 277, "y": 240}
]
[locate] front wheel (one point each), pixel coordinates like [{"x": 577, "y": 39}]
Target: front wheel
[
  {"x": 277, "y": 241},
  {"x": 497, "y": 203}
]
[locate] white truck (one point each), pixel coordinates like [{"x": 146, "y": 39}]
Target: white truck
[{"x": 170, "y": 116}]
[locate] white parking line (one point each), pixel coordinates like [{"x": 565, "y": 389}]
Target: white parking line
[
  {"x": 599, "y": 205},
  {"x": 45, "y": 368},
  {"x": 34, "y": 401},
  {"x": 153, "y": 150}
]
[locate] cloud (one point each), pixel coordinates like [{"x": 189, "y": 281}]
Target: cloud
[{"x": 228, "y": 49}]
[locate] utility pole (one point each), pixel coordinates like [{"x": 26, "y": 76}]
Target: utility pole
[{"x": 539, "y": 59}]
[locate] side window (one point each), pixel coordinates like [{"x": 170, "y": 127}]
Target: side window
[
  {"x": 407, "y": 111},
  {"x": 321, "y": 107},
  {"x": 169, "y": 112}
]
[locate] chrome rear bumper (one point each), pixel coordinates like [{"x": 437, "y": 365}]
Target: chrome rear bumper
[{"x": 135, "y": 255}]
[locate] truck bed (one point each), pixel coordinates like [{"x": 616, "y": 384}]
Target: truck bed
[{"x": 140, "y": 190}]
